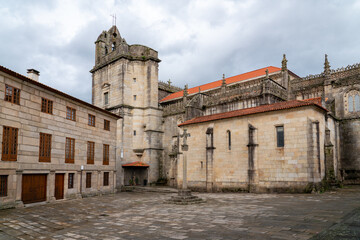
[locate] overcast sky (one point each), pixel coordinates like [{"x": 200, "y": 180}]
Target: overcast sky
[{"x": 197, "y": 40}]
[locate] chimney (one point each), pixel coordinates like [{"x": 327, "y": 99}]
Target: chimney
[{"x": 33, "y": 74}]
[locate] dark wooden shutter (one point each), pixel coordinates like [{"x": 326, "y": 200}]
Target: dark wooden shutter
[
  {"x": 106, "y": 178},
  {"x": 88, "y": 180},
  {"x": 90, "y": 152},
  {"x": 70, "y": 150},
  {"x": 3, "y": 185},
  {"x": 106, "y": 154},
  {"x": 9, "y": 144},
  {"x": 45, "y": 147}
]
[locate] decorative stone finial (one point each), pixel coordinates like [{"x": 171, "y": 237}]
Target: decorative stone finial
[
  {"x": 326, "y": 66},
  {"x": 186, "y": 90},
  {"x": 284, "y": 63},
  {"x": 169, "y": 82},
  {"x": 223, "y": 81},
  {"x": 199, "y": 89},
  {"x": 267, "y": 73}
]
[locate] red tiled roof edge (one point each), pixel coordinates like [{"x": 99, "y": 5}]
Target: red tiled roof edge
[
  {"x": 255, "y": 110},
  {"x": 135, "y": 164},
  {"x": 29, "y": 80},
  {"x": 256, "y": 73}
]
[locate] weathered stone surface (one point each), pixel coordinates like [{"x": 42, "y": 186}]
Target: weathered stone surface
[{"x": 145, "y": 216}]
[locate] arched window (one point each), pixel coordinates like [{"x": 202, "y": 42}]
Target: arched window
[
  {"x": 113, "y": 46},
  {"x": 357, "y": 103},
  {"x": 352, "y": 101},
  {"x": 351, "y": 104},
  {"x": 228, "y": 133},
  {"x": 106, "y": 50}
]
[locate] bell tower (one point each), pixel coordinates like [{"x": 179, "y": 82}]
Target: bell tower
[{"x": 125, "y": 82}]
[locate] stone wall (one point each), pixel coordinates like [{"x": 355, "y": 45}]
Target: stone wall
[
  {"x": 288, "y": 168},
  {"x": 30, "y": 121},
  {"x": 129, "y": 74}
]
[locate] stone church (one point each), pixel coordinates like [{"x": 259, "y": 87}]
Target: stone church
[
  {"x": 264, "y": 130},
  {"x": 321, "y": 112}
]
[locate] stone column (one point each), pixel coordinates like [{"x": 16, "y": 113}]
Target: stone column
[
  {"x": 18, "y": 201},
  {"x": 77, "y": 182},
  {"x": 51, "y": 186},
  {"x": 98, "y": 187},
  {"x": 184, "y": 149}
]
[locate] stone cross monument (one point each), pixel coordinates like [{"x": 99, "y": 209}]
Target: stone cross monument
[{"x": 184, "y": 196}]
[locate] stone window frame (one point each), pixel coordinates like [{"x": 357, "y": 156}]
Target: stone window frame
[
  {"x": 106, "y": 98},
  {"x": 352, "y": 93},
  {"x": 106, "y": 89},
  {"x": 277, "y": 136}
]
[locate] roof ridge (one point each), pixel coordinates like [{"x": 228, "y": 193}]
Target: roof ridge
[{"x": 253, "y": 110}]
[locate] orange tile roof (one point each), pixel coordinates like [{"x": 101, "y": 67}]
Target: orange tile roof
[
  {"x": 260, "y": 109},
  {"x": 229, "y": 80},
  {"x": 136, "y": 164}
]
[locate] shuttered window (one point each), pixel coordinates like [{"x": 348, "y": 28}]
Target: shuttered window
[
  {"x": 3, "y": 185},
  {"x": 71, "y": 180},
  {"x": 45, "y": 147},
  {"x": 106, "y": 154},
  {"x": 46, "y": 105},
  {"x": 106, "y": 125},
  {"x": 70, "y": 150},
  {"x": 70, "y": 113},
  {"x": 88, "y": 180},
  {"x": 106, "y": 178},
  {"x": 12, "y": 94},
  {"x": 91, "y": 121},
  {"x": 9, "y": 144},
  {"x": 90, "y": 152}
]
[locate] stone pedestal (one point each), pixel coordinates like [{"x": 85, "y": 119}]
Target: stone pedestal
[{"x": 184, "y": 197}]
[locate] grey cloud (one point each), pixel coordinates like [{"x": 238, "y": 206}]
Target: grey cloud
[{"x": 197, "y": 40}]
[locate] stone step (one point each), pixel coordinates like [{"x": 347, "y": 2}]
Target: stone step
[{"x": 148, "y": 189}]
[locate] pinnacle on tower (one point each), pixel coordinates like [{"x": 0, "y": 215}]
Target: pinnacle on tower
[
  {"x": 267, "y": 73},
  {"x": 223, "y": 84},
  {"x": 186, "y": 90},
  {"x": 284, "y": 63},
  {"x": 326, "y": 66}
]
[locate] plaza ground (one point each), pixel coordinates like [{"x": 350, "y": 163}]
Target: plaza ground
[{"x": 143, "y": 215}]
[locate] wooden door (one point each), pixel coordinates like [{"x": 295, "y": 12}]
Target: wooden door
[
  {"x": 59, "y": 186},
  {"x": 33, "y": 188}
]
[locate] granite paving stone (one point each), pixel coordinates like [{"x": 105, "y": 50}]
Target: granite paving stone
[{"x": 224, "y": 216}]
